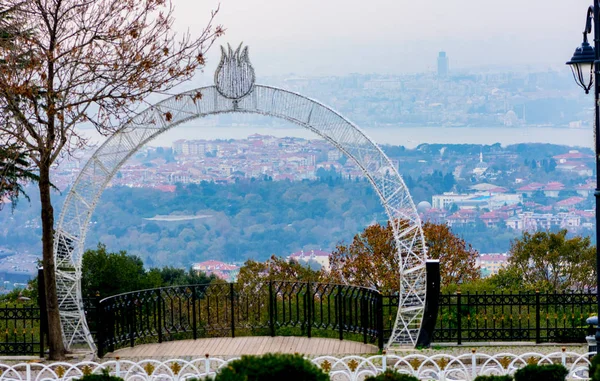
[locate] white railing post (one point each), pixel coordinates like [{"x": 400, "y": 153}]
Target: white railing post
[
  {"x": 207, "y": 364},
  {"x": 384, "y": 361},
  {"x": 118, "y": 367},
  {"x": 473, "y": 363},
  {"x": 564, "y": 356},
  {"x": 28, "y": 371}
]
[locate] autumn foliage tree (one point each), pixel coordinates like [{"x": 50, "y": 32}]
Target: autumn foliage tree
[
  {"x": 91, "y": 62},
  {"x": 252, "y": 274},
  {"x": 457, "y": 258},
  {"x": 371, "y": 259}
]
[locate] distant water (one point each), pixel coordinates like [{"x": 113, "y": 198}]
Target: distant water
[{"x": 409, "y": 137}]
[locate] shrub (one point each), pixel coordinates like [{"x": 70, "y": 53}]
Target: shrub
[
  {"x": 595, "y": 368},
  {"x": 493, "y": 378},
  {"x": 390, "y": 375},
  {"x": 271, "y": 367},
  {"x": 553, "y": 372},
  {"x": 104, "y": 376}
]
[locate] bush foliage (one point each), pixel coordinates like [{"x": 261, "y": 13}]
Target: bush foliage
[
  {"x": 595, "y": 368},
  {"x": 104, "y": 376},
  {"x": 390, "y": 375},
  {"x": 551, "y": 372},
  {"x": 272, "y": 367},
  {"x": 494, "y": 378}
]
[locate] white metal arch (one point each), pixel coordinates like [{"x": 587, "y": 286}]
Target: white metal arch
[{"x": 103, "y": 165}]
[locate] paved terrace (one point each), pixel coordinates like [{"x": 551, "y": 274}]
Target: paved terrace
[{"x": 252, "y": 345}]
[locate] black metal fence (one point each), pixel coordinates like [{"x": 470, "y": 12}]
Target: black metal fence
[
  {"x": 20, "y": 332},
  {"x": 495, "y": 317},
  {"x": 229, "y": 309},
  {"x": 303, "y": 309}
]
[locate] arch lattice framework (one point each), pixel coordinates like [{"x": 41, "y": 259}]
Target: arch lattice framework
[{"x": 258, "y": 99}]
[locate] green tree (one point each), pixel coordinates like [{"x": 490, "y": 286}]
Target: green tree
[
  {"x": 115, "y": 273},
  {"x": 15, "y": 166},
  {"x": 549, "y": 261},
  {"x": 15, "y": 171},
  {"x": 111, "y": 273}
]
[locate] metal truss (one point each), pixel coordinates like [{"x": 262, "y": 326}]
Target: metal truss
[{"x": 265, "y": 100}]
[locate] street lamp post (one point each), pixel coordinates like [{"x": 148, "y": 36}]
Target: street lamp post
[{"x": 585, "y": 65}]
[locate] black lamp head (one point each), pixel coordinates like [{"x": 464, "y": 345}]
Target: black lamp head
[{"x": 582, "y": 64}]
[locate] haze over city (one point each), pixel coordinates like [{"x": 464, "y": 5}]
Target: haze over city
[{"x": 338, "y": 37}]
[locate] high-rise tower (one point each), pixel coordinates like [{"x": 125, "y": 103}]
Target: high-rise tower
[{"x": 442, "y": 64}]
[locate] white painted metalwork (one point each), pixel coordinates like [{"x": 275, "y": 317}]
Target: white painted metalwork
[
  {"x": 235, "y": 91},
  {"x": 350, "y": 368}
]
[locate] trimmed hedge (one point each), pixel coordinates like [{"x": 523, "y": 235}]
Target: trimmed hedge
[
  {"x": 493, "y": 378},
  {"x": 271, "y": 367},
  {"x": 104, "y": 376},
  {"x": 390, "y": 375},
  {"x": 553, "y": 372},
  {"x": 595, "y": 368}
]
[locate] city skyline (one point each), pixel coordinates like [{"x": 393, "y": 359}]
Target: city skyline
[{"x": 341, "y": 37}]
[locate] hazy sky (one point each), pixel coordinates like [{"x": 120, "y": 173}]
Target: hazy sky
[{"x": 316, "y": 37}]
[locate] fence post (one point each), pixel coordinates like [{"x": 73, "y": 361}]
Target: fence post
[
  {"x": 309, "y": 310},
  {"x": 42, "y": 306},
  {"x": 232, "y": 299},
  {"x": 194, "y": 322},
  {"x": 131, "y": 319},
  {"x": 271, "y": 312},
  {"x": 99, "y": 325},
  {"x": 537, "y": 316},
  {"x": 159, "y": 315},
  {"x": 458, "y": 315},
  {"x": 380, "y": 320},
  {"x": 364, "y": 314},
  {"x": 340, "y": 312}
]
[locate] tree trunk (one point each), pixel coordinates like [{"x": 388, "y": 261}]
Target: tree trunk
[{"x": 55, "y": 337}]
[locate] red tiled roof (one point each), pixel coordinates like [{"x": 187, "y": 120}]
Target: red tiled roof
[
  {"x": 493, "y": 258},
  {"x": 555, "y": 185},
  {"x": 531, "y": 187},
  {"x": 308, "y": 253},
  {"x": 572, "y": 156},
  {"x": 570, "y": 201}
]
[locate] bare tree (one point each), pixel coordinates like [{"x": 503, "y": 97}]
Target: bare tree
[{"x": 87, "y": 62}]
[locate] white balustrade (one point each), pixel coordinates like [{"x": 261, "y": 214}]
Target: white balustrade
[{"x": 441, "y": 367}]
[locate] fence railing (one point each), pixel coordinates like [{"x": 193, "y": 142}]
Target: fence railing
[
  {"x": 20, "y": 332},
  {"x": 493, "y": 317},
  {"x": 303, "y": 309},
  {"x": 230, "y": 309}
]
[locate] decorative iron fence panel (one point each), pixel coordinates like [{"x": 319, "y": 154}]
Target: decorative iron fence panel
[
  {"x": 539, "y": 317},
  {"x": 230, "y": 309},
  {"x": 20, "y": 332}
]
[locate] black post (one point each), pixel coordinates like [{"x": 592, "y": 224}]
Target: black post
[
  {"x": 364, "y": 314},
  {"x": 597, "y": 146},
  {"x": 432, "y": 303},
  {"x": 340, "y": 312},
  {"x": 42, "y": 305},
  {"x": 309, "y": 310},
  {"x": 231, "y": 290},
  {"x": 271, "y": 312},
  {"x": 159, "y": 315},
  {"x": 458, "y": 316},
  {"x": 380, "y": 320},
  {"x": 537, "y": 316},
  {"x": 194, "y": 322},
  {"x": 99, "y": 325},
  {"x": 131, "y": 319}
]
